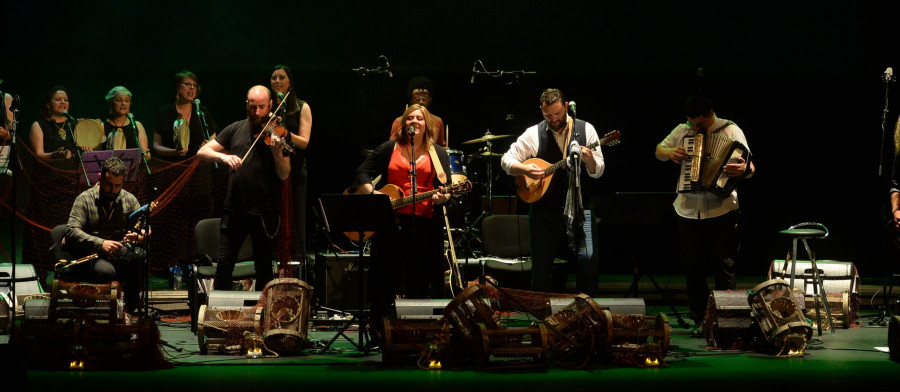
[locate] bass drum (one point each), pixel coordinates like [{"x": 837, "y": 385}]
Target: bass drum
[
  {"x": 457, "y": 168},
  {"x": 89, "y": 133}
]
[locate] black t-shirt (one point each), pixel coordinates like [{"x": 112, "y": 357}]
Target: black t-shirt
[{"x": 255, "y": 187}]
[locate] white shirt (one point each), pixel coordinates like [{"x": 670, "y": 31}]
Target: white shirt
[
  {"x": 702, "y": 205},
  {"x": 526, "y": 147}
]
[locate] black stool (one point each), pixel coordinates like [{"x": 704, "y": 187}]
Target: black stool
[{"x": 803, "y": 232}]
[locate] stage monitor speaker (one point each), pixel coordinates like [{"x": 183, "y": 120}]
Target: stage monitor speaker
[
  {"x": 420, "y": 309},
  {"x": 339, "y": 275},
  {"x": 26, "y": 283},
  {"x": 433, "y": 309},
  {"x": 233, "y": 299},
  {"x": 837, "y": 276},
  {"x": 615, "y": 305}
]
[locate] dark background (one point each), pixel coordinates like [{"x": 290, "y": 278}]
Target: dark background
[{"x": 802, "y": 79}]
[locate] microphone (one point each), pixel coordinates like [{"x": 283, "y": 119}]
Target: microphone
[
  {"x": 66, "y": 113},
  {"x": 412, "y": 130},
  {"x": 572, "y": 106},
  {"x": 388, "y": 65},
  {"x": 888, "y": 75},
  {"x": 197, "y": 104},
  {"x": 575, "y": 149},
  {"x": 472, "y": 81},
  {"x": 280, "y": 96}
]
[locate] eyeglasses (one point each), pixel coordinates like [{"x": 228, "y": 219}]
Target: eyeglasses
[{"x": 188, "y": 84}]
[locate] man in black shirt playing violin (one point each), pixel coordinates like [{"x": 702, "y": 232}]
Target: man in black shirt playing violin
[{"x": 259, "y": 165}]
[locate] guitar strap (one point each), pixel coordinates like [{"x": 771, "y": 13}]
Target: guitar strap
[{"x": 438, "y": 168}]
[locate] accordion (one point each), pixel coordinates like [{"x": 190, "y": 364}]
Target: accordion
[{"x": 702, "y": 170}]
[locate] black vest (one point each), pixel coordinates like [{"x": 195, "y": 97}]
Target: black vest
[{"x": 555, "y": 197}]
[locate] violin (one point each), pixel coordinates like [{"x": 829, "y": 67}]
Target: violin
[{"x": 274, "y": 127}]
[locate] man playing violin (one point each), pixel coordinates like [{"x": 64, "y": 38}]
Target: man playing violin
[
  {"x": 258, "y": 169},
  {"x": 98, "y": 223}
]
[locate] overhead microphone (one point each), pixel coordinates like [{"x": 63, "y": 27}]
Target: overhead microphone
[
  {"x": 388, "y": 65},
  {"x": 472, "y": 81}
]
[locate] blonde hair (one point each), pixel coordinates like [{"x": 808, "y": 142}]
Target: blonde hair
[{"x": 403, "y": 137}]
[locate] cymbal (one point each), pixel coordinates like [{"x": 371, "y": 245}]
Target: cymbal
[
  {"x": 487, "y": 154},
  {"x": 486, "y": 138}
]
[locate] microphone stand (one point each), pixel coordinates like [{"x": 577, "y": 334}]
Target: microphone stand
[
  {"x": 13, "y": 153},
  {"x": 77, "y": 148},
  {"x": 412, "y": 190},
  {"x": 887, "y": 78},
  {"x": 205, "y": 128},
  {"x": 138, "y": 141},
  {"x": 517, "y": 75}
]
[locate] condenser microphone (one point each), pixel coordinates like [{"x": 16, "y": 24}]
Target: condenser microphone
[
  {"x": 888, "y": 75},
  {"x": 387, "y": 64},
  {"x": 472, "y": 81},
  {"x": 575, "y": 150}
]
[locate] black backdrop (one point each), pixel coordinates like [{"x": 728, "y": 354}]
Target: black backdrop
[{"x": 801, "y": 78}]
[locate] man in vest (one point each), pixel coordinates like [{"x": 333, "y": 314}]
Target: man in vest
[{"x": 556, "y": 231}]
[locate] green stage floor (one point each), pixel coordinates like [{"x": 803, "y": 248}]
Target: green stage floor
[{"x": 848, "y": 359}]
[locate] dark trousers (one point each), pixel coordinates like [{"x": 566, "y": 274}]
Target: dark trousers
[
  {"x": 707, "y": 245},
  {"x": 233, "y": 230},
  {"x": 549, "y": 241}
]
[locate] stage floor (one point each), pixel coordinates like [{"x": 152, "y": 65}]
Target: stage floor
[{"x": 845, "y": 360}]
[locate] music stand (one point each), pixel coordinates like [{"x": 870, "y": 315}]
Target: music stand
[
  {"x": 637, "y": 213},
  {"x": 358, "y": 213},
  {"x": 93, "y": 161}
]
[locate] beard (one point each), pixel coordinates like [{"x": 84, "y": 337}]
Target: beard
[{"x": 108, "y": 197}]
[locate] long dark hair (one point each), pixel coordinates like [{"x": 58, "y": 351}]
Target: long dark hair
[
  {"x": 293, "y": 105},
  {"x": 45, "y": 108}
]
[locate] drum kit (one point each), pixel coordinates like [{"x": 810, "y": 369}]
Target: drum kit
[{"x": 482, "y": 168}]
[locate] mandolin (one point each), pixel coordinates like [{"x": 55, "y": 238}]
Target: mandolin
[
  {"x": 398, "y": 200},
  {"x": 531, "y": 190}
]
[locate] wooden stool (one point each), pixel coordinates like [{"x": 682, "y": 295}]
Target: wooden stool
[{"x": 803, "y": 232}]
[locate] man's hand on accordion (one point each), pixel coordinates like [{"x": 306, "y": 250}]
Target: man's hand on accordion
[
  {"x": 736, "y": 168},
  {"x": 678, "y": 154}
]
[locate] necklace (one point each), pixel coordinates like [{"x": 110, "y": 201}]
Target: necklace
[
  {"x": 60, "y": 130},
  {"x": 118, "y": 127}
]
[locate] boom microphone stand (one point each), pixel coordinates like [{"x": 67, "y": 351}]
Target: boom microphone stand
[
  {"x": 13, "y": 153},
  {"x": 77, "y": 147},
  {"x": 887, "y": 78},
  {"x": 138, "y": 142}
]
